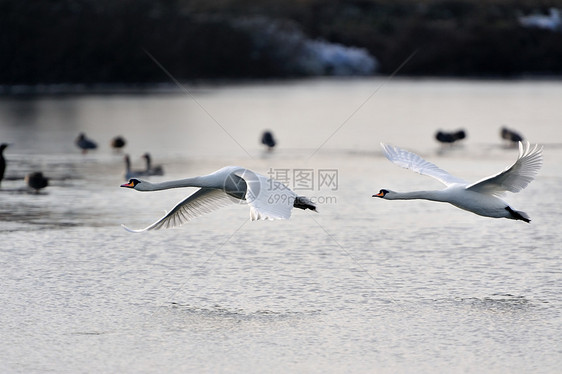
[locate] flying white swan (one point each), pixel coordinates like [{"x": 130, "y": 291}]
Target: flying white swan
[
  {"x": 481, "y": 197},
  {"x": 267, "y": 198}
]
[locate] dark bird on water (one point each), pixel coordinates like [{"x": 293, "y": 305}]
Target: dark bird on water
[
  {"x": 510, "y": 135},
  {"x": 36, "y": 181},
  {"x": 130, "y": 173},
  {"x": 2, "y": 161},
  {"x": 268, "y": 140},
  {"x": 118, "y": 142},
  {"x": 450, "y": 137},
  {"x": 152, "y": 170},
  {"x": 84, "y": 143}
]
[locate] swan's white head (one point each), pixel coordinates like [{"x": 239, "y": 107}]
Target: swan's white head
[{"x": 383, "y": 194}]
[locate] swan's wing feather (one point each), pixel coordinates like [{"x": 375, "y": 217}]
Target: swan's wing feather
[
  {"x": 517, "y": 176},
  {"x": 201, "y": 202},
  {"x": 415, "y": 163},
  {"x": 268, "y": 198}
]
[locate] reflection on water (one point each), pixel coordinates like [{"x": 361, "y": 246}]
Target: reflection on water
[
  {"x": 500, "y": 303},
  {"x": 365, "y": 285},
  {"x": 238, "y": 315}
]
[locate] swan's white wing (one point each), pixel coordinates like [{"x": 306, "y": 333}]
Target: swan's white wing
[
  {"x": 268, "y": 198},
  {"x": 203, "y": 201},
  {"x": 517, "y": 176},
  {"x": 415, "y": 163}
]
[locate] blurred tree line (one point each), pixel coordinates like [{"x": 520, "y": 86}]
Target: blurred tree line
[{"x": 104, "y": 41}]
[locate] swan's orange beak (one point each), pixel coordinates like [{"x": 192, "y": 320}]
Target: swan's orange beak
[
  {"x": 129, "y": 185},
  {"x": 380, "y": 194}
]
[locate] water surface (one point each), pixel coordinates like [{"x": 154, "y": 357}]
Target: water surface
[{"x": 364, "y": 286}]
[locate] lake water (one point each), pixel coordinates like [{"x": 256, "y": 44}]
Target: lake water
[{"x": 364, "y": 286}]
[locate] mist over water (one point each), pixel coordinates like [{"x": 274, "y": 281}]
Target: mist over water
[{"x": 364, "y": 286}]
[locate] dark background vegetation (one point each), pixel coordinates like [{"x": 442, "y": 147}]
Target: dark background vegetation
[{"x": 104, "y": 41}]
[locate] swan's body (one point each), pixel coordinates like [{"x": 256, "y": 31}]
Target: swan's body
[
  {"x": 482, "y": 197},
  {"x": 267, "y": 198}
]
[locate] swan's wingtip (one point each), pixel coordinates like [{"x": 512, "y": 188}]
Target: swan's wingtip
[
  {"x": 131, "y": 230},
  {"x": 527, "y": 148},
  {"x": 388, "y": 150}
]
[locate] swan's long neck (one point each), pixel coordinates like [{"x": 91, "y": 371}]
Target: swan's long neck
[
  {"x": 423, "y": 195},
  {"x": 178, "y": 183}
]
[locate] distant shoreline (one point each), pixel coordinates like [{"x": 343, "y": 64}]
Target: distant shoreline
[
  {"x": 90, "y": 44},
  {"x": 64, "y": 89}
]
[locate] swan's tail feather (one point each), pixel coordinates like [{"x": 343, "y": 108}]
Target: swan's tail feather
[
  {"x": 304, "y": 203},
  {"x": 518, "y": 215}
]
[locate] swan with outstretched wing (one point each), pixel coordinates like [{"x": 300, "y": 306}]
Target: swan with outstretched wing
[
  {"x": 482, "y": 197},
  {"x": 268, "y": 199}
]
